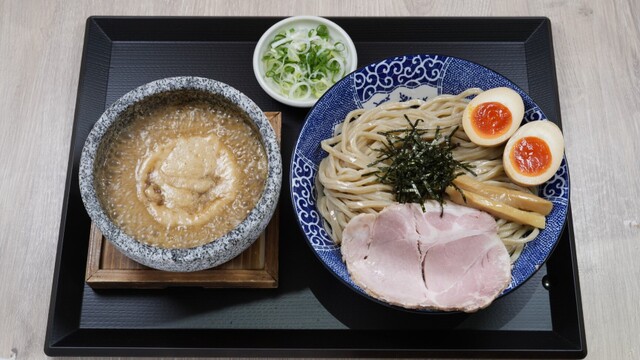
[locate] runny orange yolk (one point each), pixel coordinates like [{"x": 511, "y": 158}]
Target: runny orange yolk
[
  {"x": 531, "y": 156},
  {"x": 491, "y": 119}
]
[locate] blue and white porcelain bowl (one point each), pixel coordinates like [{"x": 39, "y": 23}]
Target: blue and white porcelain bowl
[
  {"x": 400, "y": 79},
  {"x": 219, "y": 250}
]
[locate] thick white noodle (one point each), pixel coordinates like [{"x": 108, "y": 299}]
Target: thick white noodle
[{"x": 347, "y": 185}]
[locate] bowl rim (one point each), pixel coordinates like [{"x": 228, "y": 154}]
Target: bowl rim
[
  {"x": 269, "y": 33},
  {"x": 212, "y": 253}
]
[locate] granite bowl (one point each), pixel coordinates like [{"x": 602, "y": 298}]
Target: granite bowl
[{"x": 218, "y": 250}]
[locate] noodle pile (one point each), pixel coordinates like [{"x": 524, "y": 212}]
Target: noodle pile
[{"x": 347, "y": 184}]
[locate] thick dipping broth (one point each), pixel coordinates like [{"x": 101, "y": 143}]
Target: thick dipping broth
[{"x": 180, "y": 174}]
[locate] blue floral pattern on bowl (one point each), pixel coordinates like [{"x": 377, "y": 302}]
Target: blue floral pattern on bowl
[{"x": 399, "y": 79}]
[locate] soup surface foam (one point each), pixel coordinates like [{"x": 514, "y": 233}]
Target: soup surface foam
[{"x": 180, "y": 175}]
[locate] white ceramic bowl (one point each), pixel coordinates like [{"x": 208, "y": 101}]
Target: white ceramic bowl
[
  {"x": 154, "y": 94},
  {"x": 297, "y": 22}
]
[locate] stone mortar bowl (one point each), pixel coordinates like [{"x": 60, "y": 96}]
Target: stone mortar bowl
[{"x": 219, "y": 250}]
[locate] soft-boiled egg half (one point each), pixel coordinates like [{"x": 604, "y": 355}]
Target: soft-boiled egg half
[
  {"x": 534, "y": 153},
  {"x": 493, "y": 116}
]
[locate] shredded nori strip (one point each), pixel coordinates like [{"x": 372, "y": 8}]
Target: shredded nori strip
[{"x": 419, "y": 169}]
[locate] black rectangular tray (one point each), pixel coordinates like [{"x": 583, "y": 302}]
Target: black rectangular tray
[{"x": 310, "y": 313}]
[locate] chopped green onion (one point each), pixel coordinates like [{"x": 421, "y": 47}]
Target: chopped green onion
[{"x": 304, "y": 64}]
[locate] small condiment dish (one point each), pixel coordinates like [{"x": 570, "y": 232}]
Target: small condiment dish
[{"x": 299, "y": 22}]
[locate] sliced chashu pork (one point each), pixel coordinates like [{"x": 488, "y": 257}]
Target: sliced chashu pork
[{"x": 417, "y": 259}]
